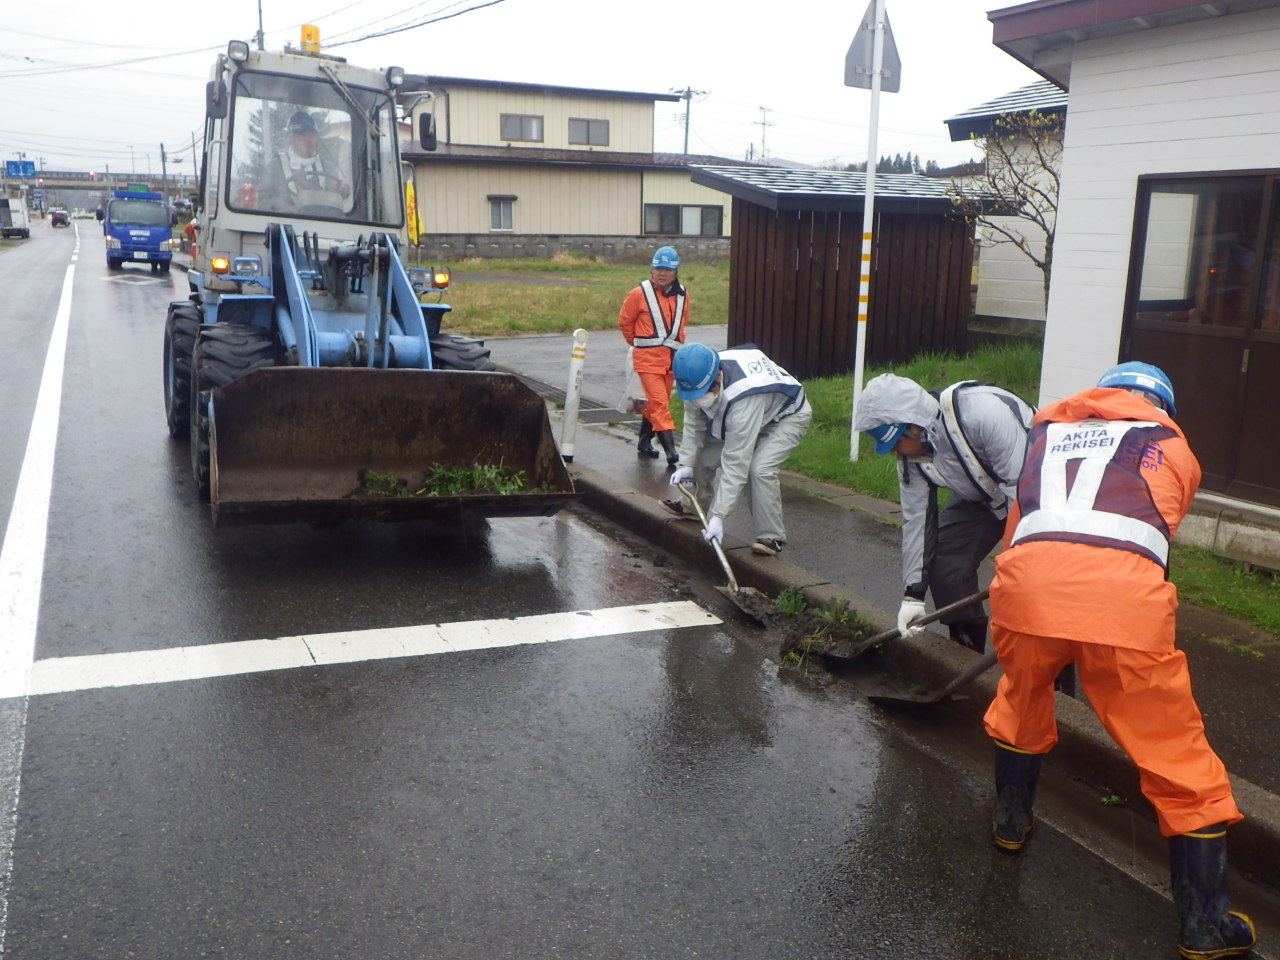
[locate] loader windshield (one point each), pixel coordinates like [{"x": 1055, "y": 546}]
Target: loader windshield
[{"x": 300, "y": 149}]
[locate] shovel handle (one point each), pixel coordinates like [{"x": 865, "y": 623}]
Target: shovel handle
[
  {"x": 864, "y": 645},
  {"x": 702, "y": 517}
]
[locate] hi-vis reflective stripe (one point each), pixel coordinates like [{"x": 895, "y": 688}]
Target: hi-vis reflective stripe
[
  {"x": 1074, "y": 512},
  {"x": 665, "y": 338}
]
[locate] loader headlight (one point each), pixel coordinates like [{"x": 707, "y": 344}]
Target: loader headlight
[
  {"x": 395, "y": 76},
  {"x": 238, "y": 51},
  {"x": 247, "y": 266},
  {"x": 220, "y": 265}
]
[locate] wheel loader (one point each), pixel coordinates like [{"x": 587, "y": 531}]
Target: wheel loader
[{"x": 312, "y": 382}]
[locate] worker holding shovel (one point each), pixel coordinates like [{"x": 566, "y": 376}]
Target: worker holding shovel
[
  {"x": 969, "y": 438},
  {"x": 1084, "y": 579},
  {"x": 743, "y": 415}
]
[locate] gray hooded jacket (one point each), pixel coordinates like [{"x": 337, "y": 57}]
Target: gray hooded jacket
[{"x": 978, "y": 448}]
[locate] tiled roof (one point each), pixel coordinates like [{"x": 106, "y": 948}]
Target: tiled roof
[
  {"x": 1042, "y": 95},
  {"x": 541, "y": 155},
  {"x": 829, "y": 190}
]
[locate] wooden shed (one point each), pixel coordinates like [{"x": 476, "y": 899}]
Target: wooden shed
[{"x": 794, "y": 266}]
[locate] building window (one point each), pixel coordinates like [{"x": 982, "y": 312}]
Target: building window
[
  {"x": 594, "y": 133},
  {"x": 501, "y": 212},
  {"x": 683, "y": 220},
  {"x": 1200, "y": 251},
  {"x": 519, "y": 126}
]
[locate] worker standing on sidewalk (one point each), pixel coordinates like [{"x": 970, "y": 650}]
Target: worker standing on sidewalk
[
  {"x": 743, "y": 415},
  {"x": 652, "y": 320},
  {"x": 969, "y": 438},
  {"x": 1084, "y": 580}
]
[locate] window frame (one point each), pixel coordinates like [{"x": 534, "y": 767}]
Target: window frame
[
  {"x": 592, "y": 126},
  {"x": 675, "y": 213},
  {"x": 536, "y": 120}
]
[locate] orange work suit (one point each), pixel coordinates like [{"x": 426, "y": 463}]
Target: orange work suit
[
  {"x": 1107, "y": 480},
  {"x": 653, "y": 363}
]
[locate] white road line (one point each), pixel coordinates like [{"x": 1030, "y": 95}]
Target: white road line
[
  {"x": 132, "y": 668},
  {"x": 21, "y": 574}
]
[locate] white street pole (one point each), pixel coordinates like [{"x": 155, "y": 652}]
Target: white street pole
[
  {"x": 572, "y": 395},
  {"x": 868, "y": 226}
]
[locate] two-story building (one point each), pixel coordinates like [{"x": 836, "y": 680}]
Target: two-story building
[{"x": 524, "y": 169}]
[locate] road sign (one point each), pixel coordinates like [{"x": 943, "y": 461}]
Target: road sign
[
  {"x": 37, "y": 194},
  {"x": 857, "y": 62},
  {"x": 20, "y": 168}
]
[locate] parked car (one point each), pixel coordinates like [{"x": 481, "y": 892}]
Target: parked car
[
  {"x": 59, "y": 218},
  {"x": 81, "y": 214}
]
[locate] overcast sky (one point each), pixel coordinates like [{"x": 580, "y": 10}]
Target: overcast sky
[{"x": 86, "y": 84}]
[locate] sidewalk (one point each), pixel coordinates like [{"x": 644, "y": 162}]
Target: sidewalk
[{"x": 845, "y": 545}]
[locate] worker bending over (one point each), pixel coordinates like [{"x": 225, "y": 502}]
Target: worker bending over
[
  {"x": 743, "y": 415},
  {"x": 969, "y": 438},
  {"x": 1084, "y": 580}
]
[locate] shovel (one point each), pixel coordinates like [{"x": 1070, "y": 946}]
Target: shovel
[
  {"x": 747, "y": 599},
  {"x": 862, "y": 646},
  {"x": 944, "y": 693}
]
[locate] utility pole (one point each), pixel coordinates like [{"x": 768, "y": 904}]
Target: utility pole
[
  {"x": 259, "y": 37},
  {"x": 164, "y": 177},
  {"x": 764, "y": 122},
  {"x": 687, "y": 95}
]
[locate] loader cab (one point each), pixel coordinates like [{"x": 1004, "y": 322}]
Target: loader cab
[{"x": 312, "y": 147}]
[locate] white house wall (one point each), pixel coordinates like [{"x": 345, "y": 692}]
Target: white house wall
[
  {"x": 1194, "y": 98},
  {"x": 1009, "y": 284}
]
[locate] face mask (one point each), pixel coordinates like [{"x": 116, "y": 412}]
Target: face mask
[{"x": 707, "y": 402}]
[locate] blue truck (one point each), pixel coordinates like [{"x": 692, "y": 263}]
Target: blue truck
[{"x": 139, "y": 229}]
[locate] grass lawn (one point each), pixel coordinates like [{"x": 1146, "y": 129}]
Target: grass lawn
[{"x": 588, "y": 295}]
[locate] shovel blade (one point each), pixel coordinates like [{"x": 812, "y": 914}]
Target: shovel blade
[{"x": 750, "y": 601}]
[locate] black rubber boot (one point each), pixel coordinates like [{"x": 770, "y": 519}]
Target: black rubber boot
[
  {"x": 1198, "y": 868},
  {"x": 645, "y": 447},
  {"x": 970, "y": 633},
  {"x": 668, "y": 441},
  {"x": 1016, "y": 776}
]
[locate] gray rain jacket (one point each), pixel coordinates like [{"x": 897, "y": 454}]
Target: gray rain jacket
[{"x": 979, "y": 443}]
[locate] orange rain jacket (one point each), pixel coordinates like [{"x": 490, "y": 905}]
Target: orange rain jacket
[
  {"x": 1074, "y": 590},
  {"x": 634, "y": 321}
]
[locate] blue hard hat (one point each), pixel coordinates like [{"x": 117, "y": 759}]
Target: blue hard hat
[
  {"x": 301, "y": 122},
  {"x": 695, "y": 367},
  {"x": 1135, "y": 375},
  {"x": 666, "y": 258},
  {"x": 887, "y": 435}
]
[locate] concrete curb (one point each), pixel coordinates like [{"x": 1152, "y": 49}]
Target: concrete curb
[{"x": 1084, "y": 752}]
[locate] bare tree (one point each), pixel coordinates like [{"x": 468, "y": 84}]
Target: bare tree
[{"x": 1014, "y": 199}]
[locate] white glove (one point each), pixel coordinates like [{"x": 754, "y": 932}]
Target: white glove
[
  {"x": 714, "y": 531},
  {"x": 683, "y": 476},
  {"x": 909, "y": 611}
]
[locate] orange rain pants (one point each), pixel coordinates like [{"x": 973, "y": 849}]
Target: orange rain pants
[
  {"x": 1144, "y": 700},
  {"x": 657, "y": 390}
]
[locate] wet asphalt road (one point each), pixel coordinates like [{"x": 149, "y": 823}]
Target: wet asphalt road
[{"x": 659, "y": 793}]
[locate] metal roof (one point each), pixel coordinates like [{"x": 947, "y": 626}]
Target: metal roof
[
  {"x": 825, "y": 190},
  {"x": 418, "y": 81},
  {"x": 1042, "y": 33},
  {"x": 1042, "y": 95},
  {"x": 480, "y": 153}
]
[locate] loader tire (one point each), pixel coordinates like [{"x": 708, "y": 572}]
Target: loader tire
[
  {"x": 451, "y": 351},
  {"x": 181, "y": 327},
  {"x": 224, "y": 352}
]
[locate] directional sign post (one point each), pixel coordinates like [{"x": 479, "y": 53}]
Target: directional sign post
[
  {"x": 20, "y": 168},
  {"x": 872, "y": 62}
]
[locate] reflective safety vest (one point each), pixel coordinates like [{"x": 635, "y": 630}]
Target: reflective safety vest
[
  {"x": 662, "y": 336},
  {"x": 748, "y": 371},
  {"x": 1083, "y": 483},
  {"x": 978, "y": 470}
]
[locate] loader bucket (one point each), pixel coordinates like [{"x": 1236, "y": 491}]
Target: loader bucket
[{"x": 301, "y": 445}]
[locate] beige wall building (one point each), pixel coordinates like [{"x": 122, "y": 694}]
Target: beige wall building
[{"x": 523, "y": 168}]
